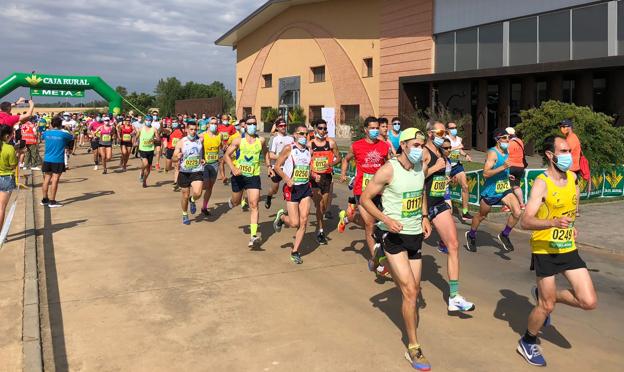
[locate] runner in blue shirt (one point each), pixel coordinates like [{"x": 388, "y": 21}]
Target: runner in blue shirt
[{"x": 56, "y": 140}]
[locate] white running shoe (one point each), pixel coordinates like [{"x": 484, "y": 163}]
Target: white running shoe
[
  {"x": 95, "y": 168},
  {"x": 253, "y": 240},
  {"x": 458, "y": 303},
  {"x": 35, "y": 168}
]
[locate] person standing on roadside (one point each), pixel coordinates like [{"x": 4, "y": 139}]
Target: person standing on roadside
[
  {"x": 8, "y": 164},
  {"x": 29, "y": 135},
  {"x": 565, "y": 126},
  {"x": 517, "y": 164},
  {"x": 56, "y": 140},
  {"x": 5, "y": 112}
]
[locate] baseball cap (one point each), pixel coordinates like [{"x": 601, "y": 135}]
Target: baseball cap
[
  {"x": 498, "y": 132},
  {"x": 565, "y": 123},
  {"x": 411, "y": 133},
  {"x": 511, "y": 131}
]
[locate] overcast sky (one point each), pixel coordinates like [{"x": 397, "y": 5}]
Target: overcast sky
[{"x": 131, "y": 42}]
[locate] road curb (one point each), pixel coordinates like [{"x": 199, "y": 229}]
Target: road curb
[{"x": 31, "y": 330}]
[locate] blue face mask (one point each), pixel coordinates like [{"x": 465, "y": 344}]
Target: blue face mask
[
  {"x": 213, "y": 128},
  {"x": 302, "y": 141},
  {"x": 251, "y": 129},
  {"x": 225, "y": 122},
  {"x": 98, "y": 118},
  {"x": 148, "y": 123},
  {"x": 373, "y": 133},
  {"x": 453, "y": 132},
  {"x": 563, "y": 162},
  {"x": 438, "y": 141},
  {"x": 192, "y": 137},
  {"x": 415, "y": 155},
  {"x": 396, "y": 127},
  {"x": 504, "y": 145},
  {"x": 154, "y": 117}
]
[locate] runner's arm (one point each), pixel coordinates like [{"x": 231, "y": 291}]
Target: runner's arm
[
  {"x": 281, "y": 159},
  {"x": 228, "y": 155},
  {"x": 488, "y": 170},
  {"x": 345, "y": 164},
  {"x": 177, "y": 151},
  {"x": 337, "y": 156},
  {"x": 376, "y": 187}
]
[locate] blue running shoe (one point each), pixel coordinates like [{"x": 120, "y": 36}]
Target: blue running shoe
[
  {"x": 185, "y": 219},
  {"x": 442, "y": 248},
  {"x": 531, "y": 352},
  {"x": 192, "y": 205},
  {"x": 416, "y": 358},
  {"x": 547, "y": 321}
]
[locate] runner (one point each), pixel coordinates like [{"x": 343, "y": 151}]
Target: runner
[
  {"x": 175, "y": 136},
  {"x": 156, "y": 124},
  {"x": 147, "y": 137},
  {"x": 370, "y": 154},
  {"x": 383, "y": 133},
  {"x": 395, "y": 133},
  {"x": 212, "y": 146},
  {"x": 105, "y": 133},
  {"x": 403, "y": 226},
  {"x": 203, "y": 125},
  {"x": 164, "y": 133},
  {"x": 437, "y": 172},
  {"x": 497, "y": 189},
  {"x": 188, "y": 153},
  {"x": 226, "y": 130},
  {"x": 551, "y": 213},
  {"x": 279, "y": 141},
  {"x": 246, "y": 172},
  {"x": 69, "y": 125},
  {"x": 126, "y": 132},
  {"x": 295, "y": 160},
  {"x": 137, "y": 125},
  {"x": 95, "y": 139},
  {"x": 458, "y": 175},
  {"x": 56, "y": 141},
  {"x": 325, "y": 156}
]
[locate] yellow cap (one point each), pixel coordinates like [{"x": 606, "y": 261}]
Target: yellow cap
[{"x": 410, "y": 133}]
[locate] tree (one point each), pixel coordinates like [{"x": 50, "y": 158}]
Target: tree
[
  {"x": 142, "y": 102},
  {"x": 602, "y": 143},
  {"x": 121, "y": 90},
  {"x": 167, "y": 92}
]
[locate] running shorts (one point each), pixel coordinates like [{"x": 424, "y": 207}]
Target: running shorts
[
  {"x": 169, "y": 154},
  {"x": 518, "y": 173},
  {"x": 276, "y": 178},
  {"x": 495, "y": 200},
  {"x": 297, "y": 193},
  {"x": 437, "y": 209},
  {"x": 240, "y": 183},
  {"x": 126, "y": 143},
  {"x": 211, "y": 171},
  {"x": 324, "y": 184},
  {"x": 95, "y": 143},
  {"x": 376, "y": 201},
  {"x": 393, "y": 243},
  {"x": 551, "y": 264},
  {"x": 185, "y": 179},
  {"x": 457, "y": 169},
  {"x": 105, "y": 146},
  {"x": 149, "y": 155},
  {"x": 56, "y": 168}
]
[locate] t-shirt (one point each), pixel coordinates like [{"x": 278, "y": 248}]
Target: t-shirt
[
  {"x": 278, "y": 143},
  {"x": 55, "y": 142},
  {"x": 8, "y": 119},
  {"x": 369, "y": 157},
  {"x": 226, "y": 131},
  {"x": 516, "y": 153},
  {"x": 8, "y": 160},
  {"x": 575, "y": 148}
]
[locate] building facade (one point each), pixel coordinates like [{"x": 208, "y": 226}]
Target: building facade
[{"x": 486, "y": 58}]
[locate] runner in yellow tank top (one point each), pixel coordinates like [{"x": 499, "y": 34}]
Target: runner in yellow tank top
[
  {"x": 550, "y": 213},
  {"x": 212, "y": 154}
]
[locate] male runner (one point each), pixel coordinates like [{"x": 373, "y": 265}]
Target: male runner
[
  {"x": 551, "y": 213},
  {"x": 246, "y": 172},
  {"x": 126, "y": 133},
  {"x": 497, "y": 189},
  {"x": 325, "y": 155},
  {"x": 212, "y": 153},
  {"x": 280, "y": 140},
  {"x": 138, "y": 125},
  {"x": 370, "y": 153},
  {"x": 458, "y": 174},
  {"x": 403, "y": 226},
  {"x": 147, "y": 137},
  {"x": 295, "y": 160},
  {"x": 70, "y": 125},
  {"x": 437, "y": 171},
  {"x": 175, "y": 136},
  {"x": 383, "y": 133},
  {"x": 226, "y": 129},
  {"x": 395, "y": 133},
  {"x": 188, "y": 152}
]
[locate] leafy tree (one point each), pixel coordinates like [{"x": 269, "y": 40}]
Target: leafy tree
[
  {"x": 121, "y": 90},
  {"x": 142, "y": 102},
  {"x": 357, "y": 128},
  {"x": 420, "y": 118},
  {"x": 270, "y": 115},
  {"x": 167, "y": 92},
  {"x": 602, "y": 143}
]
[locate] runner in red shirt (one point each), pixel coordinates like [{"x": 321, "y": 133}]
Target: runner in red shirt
[
  {"x": 174, "y": 137},
  {"x": 226, "y": 129},
  {"x": 370, "y": 154}
]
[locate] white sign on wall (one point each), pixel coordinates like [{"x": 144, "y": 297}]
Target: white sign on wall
[{"x": 329, "y": 115}]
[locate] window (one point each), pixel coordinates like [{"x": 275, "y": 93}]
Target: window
[
  {"x": 315, "y": 113},
  {"x": 246, "y": 111},
  {"x": 600, "y": 94},
  {"x": 542, "y": 92},
  {"x": 240, "y": 83},
  {"x": 466, "y": 50},
  {"x": 349, "y": 113},
  {"x": 491, "y": 45},
  {"x": 523, "y": 41},
  {"x": 367, "y": 68},
  {"x": 268, "y": 80},
  {"x": 554, "y": 37},
  {"x": 568, "y": 90},
  {"x": 445, "y": 52},
  {"x": 589, "y": 32},
  {"x": 318, "y": 74},
  {"x": 515, "y": 103}
]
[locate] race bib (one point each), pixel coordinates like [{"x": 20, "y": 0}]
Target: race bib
[
  {"x": 212, "y": 157},
  {"x": 366, "y": 177},
  {"x": 438, "y": 186},
  {"x": 191, "y": 162},
  {"x": 225, "y": 136},
  {"x": 175, "y": 141},
  {"x": 106, "y": 137},
  {"x": 320, "y": 164},
  {"x": 148, "y": 142},
  {"x": 502, "y": 186},
  {"x": 301, "y": 174},
  {"x": 411, "y": 205},
  {"x": 562, "y": 238},
  {"x": 455, "y": 154},
  {"x": 247, "y": 170},
  {"x": 127, "y": 137}
]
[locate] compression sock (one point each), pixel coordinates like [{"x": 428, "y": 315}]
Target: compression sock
[
  {"x": 472, "y": 233},
  {"x": 529, "y": 338},
  {"x": 254, "y": 229},
  {"x": 507, "y": 230},
  {"x": 205, "y": 204},
  {"x": 454, "y": 288}
]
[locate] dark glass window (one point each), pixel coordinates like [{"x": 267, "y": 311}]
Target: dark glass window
[
  {"x": 523, "y": 41},
  {"x": 466, "y": 48},
  {"x": 515, "y": 103},
  {"x": 491, "y": 45},
  {"x": 600, "y": 94},
  {"x": 318, "y": 74},
  {"x": 445, "y": 52},
  {"x": 268, "y": 80},
  {"x": 349, "y": 113},
  {"x": 315, "y": 113},
  {"x": 368, "y": 67},
  {"x": 542, "y": 92},
  {"x": 568, "y": 90},
  {"x": 554, "y": 36},
  {"x": 589, "y": 32}
]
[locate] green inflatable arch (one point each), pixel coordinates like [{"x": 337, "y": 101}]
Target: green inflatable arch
[{"x": 60, "y": 82}]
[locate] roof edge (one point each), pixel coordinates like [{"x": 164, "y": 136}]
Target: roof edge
[{"x": 246, "y": 20}]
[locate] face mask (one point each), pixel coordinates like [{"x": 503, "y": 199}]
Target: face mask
[
  {"x": 504, "y": 145},
  {"x": 319, "y": 136},
  {"x": 213, "y": 128},
  {"x": 154, "y": 117},
  {"x": 415, "y": 155},
  {"x": 225, "y": 122},
  {"x": 397, "y": 127},
  {"x": 373, "y": 133},
  {"x": 302, "y": 141},
  {"x": 97, "y": 118},
  {"x": 438, "y": 141},
  {"x": 148, "y": 123},
  {"x": 175, "y": 125},
  {"x": 453, "y": 132},
  {"x": 251, "y": 129},
  {"x": 563, "y": 162}
]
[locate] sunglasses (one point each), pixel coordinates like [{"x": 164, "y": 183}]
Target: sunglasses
[
  {"x": 439, "y": 132},
  {"x": 452, "y": 128},
  {"x": 301, "y": 133},
  {"x": 396, "y": 122},
  {"x": 503, "y": 138},
  {"x": 446, "y": 148},
  {"x": 281, "y": 125},
  {"x": 321, "y": 128}
]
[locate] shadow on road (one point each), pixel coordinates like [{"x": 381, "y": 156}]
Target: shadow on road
[
  {"x": 87, "y": 196},
  {"x": 514, "y": 309},
  {"x": 54, "y": 228},
  {"x": 389, "y": 302}
]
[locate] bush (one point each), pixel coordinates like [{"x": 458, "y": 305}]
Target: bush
[
  {"x": 602, "y": 143},
  {"x": 296, "y": 115},
  {"x": 270, "y": 115},
  {"x": 419, "y": 118},
  {"x": 357, "y": 128}
]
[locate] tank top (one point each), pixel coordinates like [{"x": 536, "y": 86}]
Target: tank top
[
  {"x": 146, "y": 139},
  {"x": 455, "y": 154},
  {"x": 435, "y": 184},
  {"x": 297, "y": 166},
  {"x": 322, "y": 158},
  {"x": 212, "y": 143},
  {"x": 369, "y": 157},
  {"x": 174, "y": 138},
  {"x": 248, "y": 160},
  {"x": 498, "y": 184},
  {"x": 394, "y": 139},
  {"x": 190, "y": 161},
  {"x": 402, "y": 198},
  {"x": 106, "y": 137},
  {"x": 126, "y": 133}
]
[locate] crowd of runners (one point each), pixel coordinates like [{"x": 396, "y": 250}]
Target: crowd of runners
[{"x": 401, "y": 193}]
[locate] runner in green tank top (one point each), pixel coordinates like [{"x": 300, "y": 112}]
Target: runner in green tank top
[
  {"x": 147, "y": 135},
  {"x": 403, "y": 226}
]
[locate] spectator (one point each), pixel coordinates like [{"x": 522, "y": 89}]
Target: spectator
[
  {"x": 5, "y": 112},
  {"x": 32, "y": 159},
  {"x": 565, "y": 126},
  {"x": 517, "y": 164},
  {"x": 56, "y": 140},
  {"x": 8, "y": 163}
]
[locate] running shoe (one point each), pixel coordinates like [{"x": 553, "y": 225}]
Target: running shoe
[
  {"x": 342, "y": 221},
  {"x": 192, "y": 206},
  {"x": 205, "y": 212},
  {"x": 296, "y": 258},
  {"x": 531, "y": 352},
  {"x": 278, "y": 223},
  {"x": 535, "y": 294},
  {"x": 253, "y": 240},
  {"x": 471, "y": 243},
  {"x": 95, "y": 168},
  {"x": 185, "y": 219},
  {"x": 505, "y": 209},
  {"x": 144, "y": 184},
  {"x": 230, "y": 205},
  {"x": 466, "y": 217},
  {"x": 35, "y": 168},
  {"x": 105, "y": 171},
  {"x": 141, "y": 177},
  {"x": 505, "y": 242},
  {"x": 321, "y": 239},
  {"x": 458, "y": 303},
  {"x": 415, "y": 356},
  {"x": 44, "y": 201},
  {"x": 158, "y": 167},
  {"x": 267, "y": 203},
  {"x": 522, "y": 206},
  {"x": 351, "y": 211},
  {"x": 383, "y": 272},
  {"x": 442, "y": 248},
  {"x": 54, "y": 204}
]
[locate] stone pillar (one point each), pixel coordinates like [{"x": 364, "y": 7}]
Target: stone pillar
[
  {"x": 555, "y": 86},
  {"x": 504, "y": 96}
]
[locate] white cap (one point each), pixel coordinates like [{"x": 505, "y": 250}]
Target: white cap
[
  {"x": 510, "y": 130},
  {"x": 66, "y": 113},
  {"x": 105, "y": 118}
]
